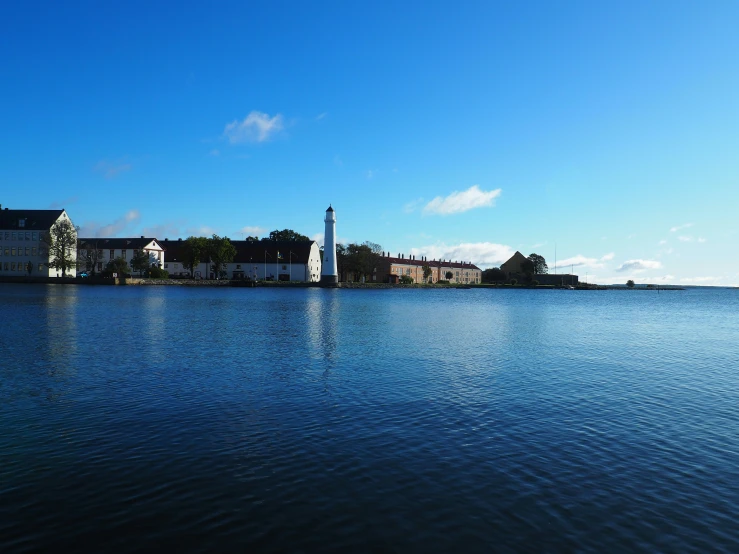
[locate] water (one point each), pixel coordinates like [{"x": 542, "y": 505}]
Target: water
[{"x": 313, "y": 420}]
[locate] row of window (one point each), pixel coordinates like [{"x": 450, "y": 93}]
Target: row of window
[
  {"x": 20, "y": 266},
  {"x": 13, "y": 235},
  {"x": 8, "y": 251}
]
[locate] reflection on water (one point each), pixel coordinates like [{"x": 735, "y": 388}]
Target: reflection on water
[{"x": 356, "y": 420}]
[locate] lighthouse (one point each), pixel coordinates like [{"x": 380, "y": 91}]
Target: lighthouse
[{"x": 329, "y": 275}]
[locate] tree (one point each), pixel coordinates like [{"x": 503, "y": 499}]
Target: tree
[
  {"x": 59, "y": 244},
  {"x": 426, "y": 272},
  {"x": 630, "y": 284},
  {"x": 449, "y": 275},
  {"x": 406, "y": 280},
  {"x": 194, "y": 252},
  {"x": 89, "y": 255},
  {"x": 493, "y": 275},
  {"x": 140, "y": 261},
  {"x": 361, "y": 259},
  {"x": 220, "y": 251},
  {"x": 527, "y": 266},
  {"x": 285, "y": 235},
  {"x": 341, "y": 260},
  {"x": 539, "y": 264},
  {"x": 513, "y": 282},
  {"x": 119, "y": 266}
]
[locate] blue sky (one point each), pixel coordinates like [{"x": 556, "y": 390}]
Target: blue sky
[{"x": 458, "y": 130}]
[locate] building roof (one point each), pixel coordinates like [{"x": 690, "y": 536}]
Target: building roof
[
  {"x": 251, "y": 251},
  {"x": 430, "y": 263},
  {"x": 517, "y": 259},
  {"x": 330, "y": 209},
  {"x": 119, "y": 243},
  {"x": 35, "y": 220}
]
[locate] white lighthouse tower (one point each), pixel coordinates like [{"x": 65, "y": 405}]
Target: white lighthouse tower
[{"x": 329, "y": 274}]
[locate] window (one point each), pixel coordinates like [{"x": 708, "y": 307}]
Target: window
[
  {"x": 238, "y": 266},
  {"x": 15, "y": 236},
  {"x": 28, "y": 250},
  {"x": 112, "y": 254},
  {"x": 7, "y": 236},
  {"x": 100, "y": 266},
  {"x": 40, "y": 267},
  {"x": 12, "y": 251},
  {"x": 12, "y": 266},
  {"x": 7, "y": 251},
  {"x": 35, "y": 236},
  {"x": 166, "y": 266},
  {"x": 123, "y": 253},
  {"x": 28, "y": 235},
  {"x": 21, "y": 223},
  {"x": 6, "y": 266},
  {"x": 176, "y": 266}
]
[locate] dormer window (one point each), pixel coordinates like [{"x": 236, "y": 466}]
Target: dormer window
[{"x": 21, "y": 223}]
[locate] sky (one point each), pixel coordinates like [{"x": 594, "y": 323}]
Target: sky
[{"x": 600, "y": 134}]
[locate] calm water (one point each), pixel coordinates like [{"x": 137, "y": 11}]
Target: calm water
[{"x": 316, "y": 420}]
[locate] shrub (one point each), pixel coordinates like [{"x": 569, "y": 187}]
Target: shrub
[
  {"x": 513, "y": 281},
  {"x": 442, "y": 282},
  {"x": 406, "y": 280},
  {"x": 157, "y": 273},
  {"x": 534, "y": 283}
]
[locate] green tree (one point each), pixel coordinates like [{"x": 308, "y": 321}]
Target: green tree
[
  {"x": 341, "y": 260},
  {"x": 493, "y": 275},
  {"x": 119, "y": 266},
  {"x": 140, "y": 261},
  {"x": 539, "y": 264},
  {"x": 285, "y": 235},
  {"x": 60, "y": 245},
  {"x": 194, "y": 252},
  {"x": 527, "y": 266},
  {"x": 449, "y": 275},
  {"x": 362, "y": 259},
  {"x": 630, "y": 284},
  {"x": 89, "y": 255},
  {"x": 220, "y": 251},
  {"x": 406, "y": 280},
  {"x": 513, "y": 282},
  {"x": 426, "y": 272}
]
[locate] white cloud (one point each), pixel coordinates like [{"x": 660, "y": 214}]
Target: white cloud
[
  {"x": 479, "y": 253},
  {"x": 684, "y": 238},
  {"x": 256, "y": 127},
  {"x": 252, "y": 230},
  {"x": 639, "y": 265},
  {"x": 462, "y": 201},
  {"x": 110, "y": 170},
  {"x": 701, "y": 239},
  {"x": 678, "y": 227},
  {"x": 413, "y": 205},
  {"x": 93, "y": 229},
  {"x": 580, "y": 261},
  {"x": 539, "y": 245},
  {"x": 662, "y": 242},
  {"x": 608, "y": 257}
]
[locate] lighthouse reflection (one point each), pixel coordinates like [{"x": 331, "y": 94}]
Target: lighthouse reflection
[{"x": 322, "y": 309}]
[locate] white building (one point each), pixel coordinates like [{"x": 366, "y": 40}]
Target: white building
[
  {"x": 112, "y": 248},
  {"x": 273, "y": 260},
  {"x": 329, "y": 273},
  {"x": 21, "y": 243}
]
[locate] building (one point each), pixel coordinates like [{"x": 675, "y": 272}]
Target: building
[
  {"x": 513, "y": 266},
  {"x": 391, "y": 269},
  {"x": 22, "y": 249},
  {"x": 257, "y": 260},
  {"x": 111, "y": 248},
  {"x": 329, "y": 272}
]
